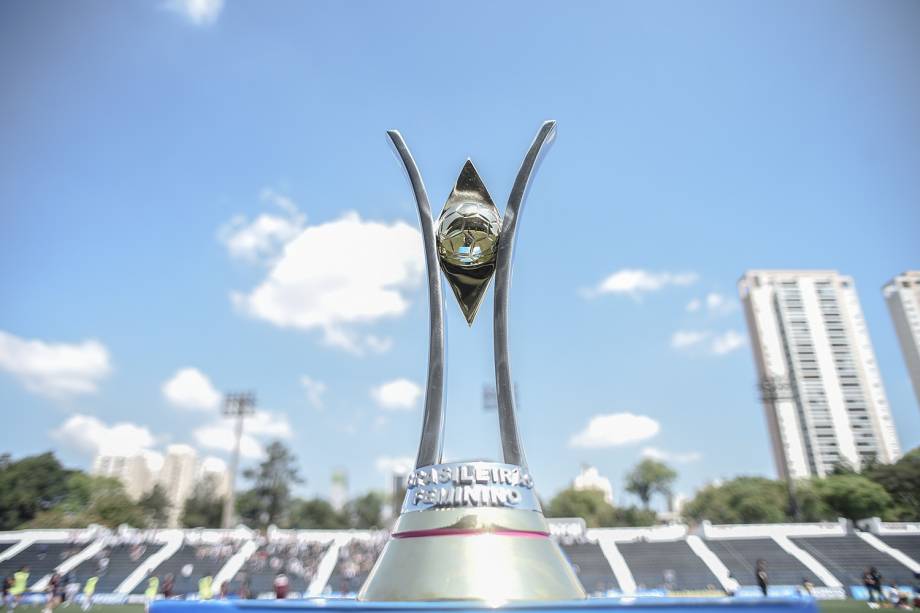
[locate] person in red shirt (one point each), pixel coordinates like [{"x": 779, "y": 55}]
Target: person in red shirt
[{"x": 281, "y": 586}]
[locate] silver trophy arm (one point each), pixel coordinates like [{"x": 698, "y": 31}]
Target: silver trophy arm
[
  {"x": 512, "y": 450},
  {"x": 430, "y": 446}
]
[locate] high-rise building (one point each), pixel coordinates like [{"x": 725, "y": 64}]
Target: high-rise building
[
  {"x": 903, "y": 297},
  {"x": 820, "y": 384},
  {"x": 177, "y": 478},
  {"x": 338, "y": 492},
  {"x": 590, "y": 479},
  {"x": 132, "y": 471}
]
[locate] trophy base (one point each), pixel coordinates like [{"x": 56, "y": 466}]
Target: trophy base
[{"x": 486, "y": 554}]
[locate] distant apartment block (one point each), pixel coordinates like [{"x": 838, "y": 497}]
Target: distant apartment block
[
  {"x": 818, "y": 377},
  {"x": 178, "y": 473},
  {"x": 903, "y": 297}
]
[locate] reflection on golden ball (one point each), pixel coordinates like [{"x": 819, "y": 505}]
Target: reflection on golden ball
[{"x": 468, "y": 234}]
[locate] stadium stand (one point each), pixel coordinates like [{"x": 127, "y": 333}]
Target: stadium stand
[
  {"x": 41, "y": 558},
  {"x": 848, "y": 556},
  {"x": 670, "y": 565},
  {"x": 356, "y": 559},
  {"x": 741, "y": 555},
  {"x": 296, "y": 559},
  {"x": 590, "y": 565},
  {"x": 113, "y": 564},
  {"x": 908, "y": 543},
  {"x": 657, "y": 559},
  {"x": 189, "y": 564}
]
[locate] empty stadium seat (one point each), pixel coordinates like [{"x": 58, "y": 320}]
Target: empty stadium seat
[
  {"x": 667, "y": 564},
  {"x": 847, "y": 558},
  {"x": 591, "y": 566},
  {"x": 908, "y": 543},
  {"x": 740, "y": 557}
]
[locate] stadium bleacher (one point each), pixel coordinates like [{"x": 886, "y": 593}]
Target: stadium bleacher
[
  {"x": 188, "y": 565},
  {"x": 591, "y": 566},
  {"x": 113, "y": 564},
  {"x": 847, "y": 557},
  {"x": 41, "y": 558},
  {"x": 740, "y": 557},
  {"x": 298, "y": 561},
  {"x": 907, "y": 543},
  {"x": 356, "y": 559},
  {"x": 667, "y": 564},
  {"x": 661, "y": 559}
]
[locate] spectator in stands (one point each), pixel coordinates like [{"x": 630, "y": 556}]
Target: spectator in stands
[
  {"x": 224, "y": 592},
  {"x": 169, "y": 584},
  {"x": 762, "y": 577},
  {"x": 89, "y": 589},
  {"x": 281, "y": 586},
  {"x": 20, "y": 580},
  {"x": 245, "y": 591}
]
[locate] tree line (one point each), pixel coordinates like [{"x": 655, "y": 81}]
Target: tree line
[
  {"x": 888, "y": 491},
  {"x": 38, "y": 492}
]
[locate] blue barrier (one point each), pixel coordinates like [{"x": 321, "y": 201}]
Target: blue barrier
[{"x": 592, "y": 605}]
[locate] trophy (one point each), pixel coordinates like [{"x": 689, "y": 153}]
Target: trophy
[{"x": 470, "y": 530}]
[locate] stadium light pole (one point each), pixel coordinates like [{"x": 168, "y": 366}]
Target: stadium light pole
[{"x": 238, "y": 405}]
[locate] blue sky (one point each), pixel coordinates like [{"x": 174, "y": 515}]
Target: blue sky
[{"x": 199, "y": 197}]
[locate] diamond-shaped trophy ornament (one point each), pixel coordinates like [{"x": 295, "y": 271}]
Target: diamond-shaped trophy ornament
[{"x": 470, "y": 530}]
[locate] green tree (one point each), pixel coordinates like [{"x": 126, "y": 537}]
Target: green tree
[
  {"x": 315, "y": 514},
  {"x": 588, "y": 504},
  {"x": 91, "y": 500},
  {"x": 634, "y": 516},
  {"x": 29, "y": 486},
  {"x": 650, "y": 477},
  {"x": 742, "y": 500},
  {"x": 902, "y": 482},
  {"x": 204, "y": 508},
  {"x": 155, "y": 506},
  {"x": 365, "y": 511},
  {"x": 270, "y": 496},
  {"x": 853, "y": 496}
]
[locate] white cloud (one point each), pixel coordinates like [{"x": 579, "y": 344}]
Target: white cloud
[
  {"x": 727, "y": 342},
  {"x": 198, "y": 12},
  {"x": 221, "y": 435},
  {"x": 712, "y": 344},
  {"x": 337, "y": 275},
  {"x": 265, "y": 236},
  {"x": 213, "y": 464},
  {"x": 615, "y": 429},
  {"x": 397, "y": 395},
  {"x": 222, "y": 438},
  {"x": 688, "y": 338},
  {"x": 315, "y": 390},
  {"x": 389, "y": 465},
  {"x": 54, "y": 369},
  {"x": 715, "y": 303},
  {"x": 90, "y": 435},
  {"x": 634, "y": 282},
  {"x": 667, "y": 456},
  {"x": 190, "y": 388}
]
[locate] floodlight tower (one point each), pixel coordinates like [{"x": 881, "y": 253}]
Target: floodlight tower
[{"x": 238, "y": 405}]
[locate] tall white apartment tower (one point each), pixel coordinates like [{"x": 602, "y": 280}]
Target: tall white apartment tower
[
  {"x": 821, "y": 388},
  {"x": 903, "y": 297}
]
